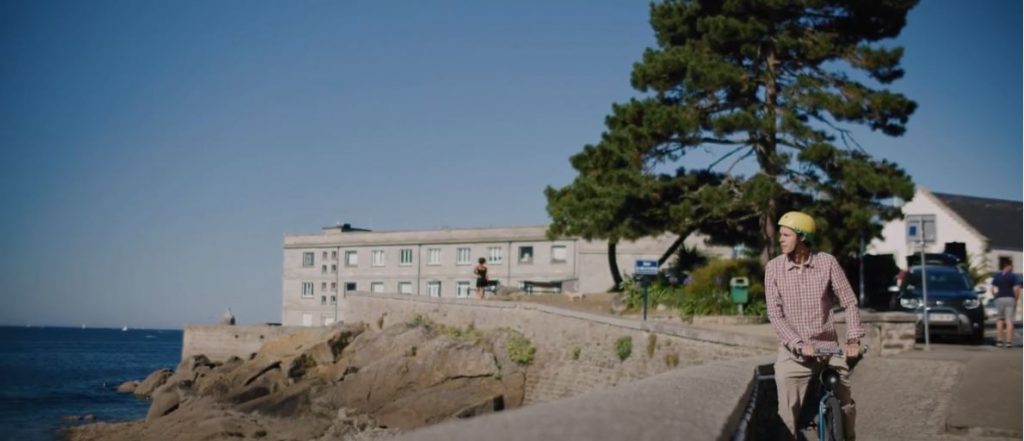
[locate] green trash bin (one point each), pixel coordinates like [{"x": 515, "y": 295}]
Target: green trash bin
[{"x": 739, "y": 288}]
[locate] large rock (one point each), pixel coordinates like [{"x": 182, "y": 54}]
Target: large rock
[
  {"x": 341, "y": 383},
  {"x": 128, "y": 387},
  {"x": 152, "y": 382}
]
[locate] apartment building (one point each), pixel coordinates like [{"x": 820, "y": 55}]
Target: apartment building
[{"x": 320, "y": 268}]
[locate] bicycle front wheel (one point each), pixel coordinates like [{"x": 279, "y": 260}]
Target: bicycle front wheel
[{"x": 834, "y": 420}]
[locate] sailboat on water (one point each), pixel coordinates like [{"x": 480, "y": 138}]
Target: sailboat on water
[{"x": 124, "y": 328}]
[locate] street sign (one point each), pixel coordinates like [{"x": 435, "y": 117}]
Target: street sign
[
  {"x": 646, "y": 268},
  {"x": 920, "y": 228}
]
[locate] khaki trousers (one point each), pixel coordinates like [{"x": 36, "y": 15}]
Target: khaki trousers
[{"x": 791, "y": 380}]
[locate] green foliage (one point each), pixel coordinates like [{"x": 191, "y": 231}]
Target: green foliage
[
  {"x": 417, "y": 320},
  {"x": 774, "y": 83},
  {"x": 576, "y": 353},
  {"x": 652, "y": 344},
  {"x": 672, "y": 359},
  {"x": 520, "y": 350},
  {"x": 659, "y": 292},
  {"x": 756, "y": 309},
  {"x": 708, "y": 290},
  {"x": 624, "y": 347},
  {"x": 975, "y": 269}
]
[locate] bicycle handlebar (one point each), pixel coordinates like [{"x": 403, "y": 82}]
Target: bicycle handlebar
[{"x": 841, "y": 353}]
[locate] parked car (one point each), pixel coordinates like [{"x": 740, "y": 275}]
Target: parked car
[{"x": 953, "y": 304}]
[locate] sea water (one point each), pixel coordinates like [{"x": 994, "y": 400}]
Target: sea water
[{"x": 50, "y": 374}]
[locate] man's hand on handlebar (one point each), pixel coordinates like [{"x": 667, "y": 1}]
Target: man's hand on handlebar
[{"x": 852, "y": 350}]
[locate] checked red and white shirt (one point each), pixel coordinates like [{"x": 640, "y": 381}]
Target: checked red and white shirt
[{"x": 800, "y": 301}]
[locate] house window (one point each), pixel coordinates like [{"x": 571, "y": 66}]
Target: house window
[
  {"x": 405, "y": 257},
  {"x": 377, "y": 287},
  {"x": 307, "y": 259},
  {"x": 351, "y": 258},
  {"x": 334, "y": 287},
  {"x": 324, "y": 256},
  {"x": 334, "y": 268},
  {"x": 323, "y": 269},
  {"x": 558, "y": 254},
  {"x": 377, "y": 258},
  {"x": 334, "y": 255},
  {"x": 334, "y": 299},
  {"x": 433, "y": 256},
  {"x": 405, "y": 288},
  {"x": 350, "y": 286},
  {"x": 494, "y": 255},
  {"x": 307, "y": 289},
  {"x": 323, "y": 286},
  {"x": 525, "y": 254},
  {"x": 462, "y": 256},
  {"x": 323, "y": 300},
  {"x": 462, "y": 289},
  {"x": 434, "y": 289}
]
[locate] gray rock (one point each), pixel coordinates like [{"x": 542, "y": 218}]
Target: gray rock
[
  {"x": 128, "y": 387},
  {"x": 152, "y": 382}
]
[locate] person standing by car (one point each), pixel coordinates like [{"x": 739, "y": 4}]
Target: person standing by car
[
  {"x": 1006, "y": 290},
  {"x": 800, "y": 286}
]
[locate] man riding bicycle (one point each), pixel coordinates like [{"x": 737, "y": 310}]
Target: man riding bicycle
[{"x": 800, "y": 286}]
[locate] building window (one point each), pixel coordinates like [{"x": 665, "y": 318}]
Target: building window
[
  {"x": 377, "y": 258},
  {"x": 405, "y": 257},
  {"x": 334, "y": 268},
  {"x": 405, "y": 288},
  {"x": 334, "y": 287},
  {"x": 433, "y": 256},
  {"x": 350, "y": 286},
  {"x": 494, "y": 255},
  {"x": 463, "y": 257},
  {"x": 334, "y": 299},
  {"x": 324, "y": 256},
  {"x": 351, "y": 258},
  {"x": 462, "y": 289},
  {"x": 307, "y": 259},
  {"x": 334, "y": 255},
  {"x": 434, "y": 289},
  {"x": 525, "y": 254},
  {"x": 323, "y": 300},
  {"x": 377, "y": 287},
  {"x": 323, "y": 269},
  {"x": 323, "y": 286},
  {"x": 307, "y": 289},
  {"x": 558, "y": 254}
]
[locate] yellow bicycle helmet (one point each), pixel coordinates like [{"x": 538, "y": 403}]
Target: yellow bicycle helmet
[{"x": 802, "y": 223}]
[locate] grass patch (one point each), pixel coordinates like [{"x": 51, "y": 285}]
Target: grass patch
[
  {"x": 520, "y": 350},
  {"x": 624, "y": 347}
]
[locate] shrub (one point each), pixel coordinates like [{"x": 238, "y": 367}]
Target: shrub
[
  {"x": 707, "y": 293},
  {"x": 659, "y": 292},
  {"x": 520, "y": 349},
  {"x": 672, "y": 360},
  {"x": 624, "y": 347},
  {"x": 417, "y": 320}
]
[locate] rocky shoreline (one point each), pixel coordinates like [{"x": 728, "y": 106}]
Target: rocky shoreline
[{"x": 347, "y": 383}]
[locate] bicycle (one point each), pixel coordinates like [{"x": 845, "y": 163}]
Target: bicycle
[{"x": 830, "y": 411}]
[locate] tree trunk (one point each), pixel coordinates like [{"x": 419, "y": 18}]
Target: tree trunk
[
  {"x": 674, "y": 247},
  {"x": 613, "y": 265},
  {"x": 767, "y": 158}
]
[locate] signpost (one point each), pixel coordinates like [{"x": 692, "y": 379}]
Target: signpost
[
  {"x": 644, "y": 269},
  {"x": 921, "y": 232}
]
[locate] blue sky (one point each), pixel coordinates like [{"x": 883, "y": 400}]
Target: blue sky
[{"x": 154, "y": 154}]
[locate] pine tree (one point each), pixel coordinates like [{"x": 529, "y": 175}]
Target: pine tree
[{"x": 778, "y": 81}]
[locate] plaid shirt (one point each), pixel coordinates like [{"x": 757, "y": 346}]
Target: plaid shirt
[{"x": 799, "y": 304}]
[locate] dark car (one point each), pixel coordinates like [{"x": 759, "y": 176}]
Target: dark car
[{"x": 953, "y": 305}]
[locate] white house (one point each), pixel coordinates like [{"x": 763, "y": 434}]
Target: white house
[{"x": 990, "y": 229}]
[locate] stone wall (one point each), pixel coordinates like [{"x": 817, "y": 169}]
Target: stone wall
[
  {"x": 576, "y": 352},
  {"x": 220, "y": 342},
  {"x": 887, "y": 333}
]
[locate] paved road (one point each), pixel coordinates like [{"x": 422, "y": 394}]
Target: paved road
[{"x": 952, "y": 392}]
